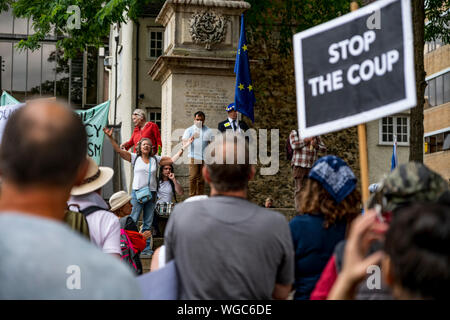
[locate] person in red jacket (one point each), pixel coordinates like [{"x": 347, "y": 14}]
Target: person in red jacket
[{"x": 143, "y": 129}]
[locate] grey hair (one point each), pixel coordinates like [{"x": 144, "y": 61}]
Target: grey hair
[{"x": 140, "y": 112}]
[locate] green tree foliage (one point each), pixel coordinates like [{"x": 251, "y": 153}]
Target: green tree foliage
[
  {"x": 438, "y": 20},
  {"x": 96, "y": 17},
  {"x": 288, "y": 17}
]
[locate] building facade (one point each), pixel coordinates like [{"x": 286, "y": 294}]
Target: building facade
[
  {"x": 437, "y": 108},
  {"x": 135, "y": 46},
  {"x": 44, "y": 72}
]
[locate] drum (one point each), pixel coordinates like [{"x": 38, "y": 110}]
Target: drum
[{"x": 164, "y": 209}]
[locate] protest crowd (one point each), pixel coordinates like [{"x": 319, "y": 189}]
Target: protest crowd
[
  {"x": 51, "y": 190},
  {"x": 61, "y": 239}
]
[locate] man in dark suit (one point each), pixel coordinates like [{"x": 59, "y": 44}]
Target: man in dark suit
[{"x": 232, "y": 123}]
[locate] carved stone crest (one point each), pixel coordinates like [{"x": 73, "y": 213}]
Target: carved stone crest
[{"x": 208, "y": 28}]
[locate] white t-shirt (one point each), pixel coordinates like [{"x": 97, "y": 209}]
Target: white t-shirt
[
  {"x": 104, "y": 226},
  {"x": 165, "y": 192},
  {"x": 140, "y": 179}
]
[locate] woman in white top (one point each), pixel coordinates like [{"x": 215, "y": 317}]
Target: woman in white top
[{"x": 142, "y": 161}]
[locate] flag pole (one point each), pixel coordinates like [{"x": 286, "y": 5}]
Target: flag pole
[{"x": 362, "y": 142}]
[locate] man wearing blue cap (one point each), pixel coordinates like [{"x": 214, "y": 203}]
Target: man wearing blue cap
[{"x": 232, "y": 123}]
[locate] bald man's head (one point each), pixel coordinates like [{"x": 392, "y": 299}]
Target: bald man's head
[
  {"x": 44, "y": 142},
  {"x": 230, "y": 168}
]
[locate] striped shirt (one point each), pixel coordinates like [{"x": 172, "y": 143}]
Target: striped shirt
[{"x": 304, "y": 155}]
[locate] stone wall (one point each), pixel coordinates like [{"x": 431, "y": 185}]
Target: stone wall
[{"x": 275, "y": 108}]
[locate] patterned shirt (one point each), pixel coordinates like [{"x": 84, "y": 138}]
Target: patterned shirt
[{"x": 303, "y": 154}]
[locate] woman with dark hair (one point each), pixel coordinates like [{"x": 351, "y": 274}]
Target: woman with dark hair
[
  {"x": 145, "y": 166},
  {"x": 327, "y": 204},
  {"x": 168, "y": 188}
]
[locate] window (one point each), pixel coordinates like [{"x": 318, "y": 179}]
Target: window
[
  {"x": 155, "y": 43},
  {"x": 154, "y": 115},
  {"x": 438, "y": 89},
  {"x": 397, "y": 126},
  {"x": 437, "y": 142},
  {"x": 43, "y": 72}
]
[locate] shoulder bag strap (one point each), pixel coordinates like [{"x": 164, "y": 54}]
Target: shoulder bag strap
[{"x": 87, "y": 211}]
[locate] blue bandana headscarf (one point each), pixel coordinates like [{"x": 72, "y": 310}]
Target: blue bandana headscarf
[{"x": 335, "y": 176}]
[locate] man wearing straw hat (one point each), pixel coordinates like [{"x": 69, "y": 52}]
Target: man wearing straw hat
[
  {"x": 104, "y": 227},
  {"x": 42, "y": 155}
]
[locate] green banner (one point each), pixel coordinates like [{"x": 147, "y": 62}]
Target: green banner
[
  {"x": 95, "y": 119},
  {"x": 6, "y": 99}
]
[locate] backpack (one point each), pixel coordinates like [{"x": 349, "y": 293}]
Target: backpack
[
  {"x": 77, "y": 221},
  {"x": 130, "y": 255},
  {"x": 289, "y": 151}
]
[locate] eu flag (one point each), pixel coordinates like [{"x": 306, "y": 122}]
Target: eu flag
[
  {"x": 394, "y": 159},
  {"x": 244, "y": 97}
]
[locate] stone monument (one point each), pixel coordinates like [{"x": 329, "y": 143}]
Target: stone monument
[{"x": 196, "y": 70}]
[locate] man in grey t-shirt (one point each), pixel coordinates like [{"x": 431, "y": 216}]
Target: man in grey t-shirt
[
  {"x": 42, "y": 155},
  {"x": 225, "y": 247}
]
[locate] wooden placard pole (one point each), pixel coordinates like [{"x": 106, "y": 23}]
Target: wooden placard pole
[{"x": 362, "y": 142}]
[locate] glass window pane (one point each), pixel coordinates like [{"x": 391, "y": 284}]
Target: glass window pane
[
  {"x": 159, "y": 35},
  {"x": 390, "y": 120},
  {"x": 432, "y": 144},
  {"x": 20, "y": 26},
  {"x": 384, "y": 137},
  {"x": 439, "y": 141},
  {"x": 390, "y": 138},
  {"x": 446, "y": 87},
  {"x": 6, "y": 54},
  {"x": 432, "y": 85},
  {"x": 390, "y": 129},
  {"x": 62, "y": 76},
  {"x": 6, "y": 22},
  {"x": 439, "y": 90},
  {"x": 30, "y": 27},
  {"x": 19, "y": 74},
  {"x": 34, "y": 73},
  {"x": 92, "y": 66},
  {"x": 384, "y": 120},
  {"x": 447, "y": 140},
  {"x": 48, "y": 69}
]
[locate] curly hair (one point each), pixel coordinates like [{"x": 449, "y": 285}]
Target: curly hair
[
  {"x": 314, "y": 199},
  {"x": 138, "y": 148}
]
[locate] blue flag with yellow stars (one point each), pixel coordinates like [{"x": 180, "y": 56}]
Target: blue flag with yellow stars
[{"x": 244, "y": 97}]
